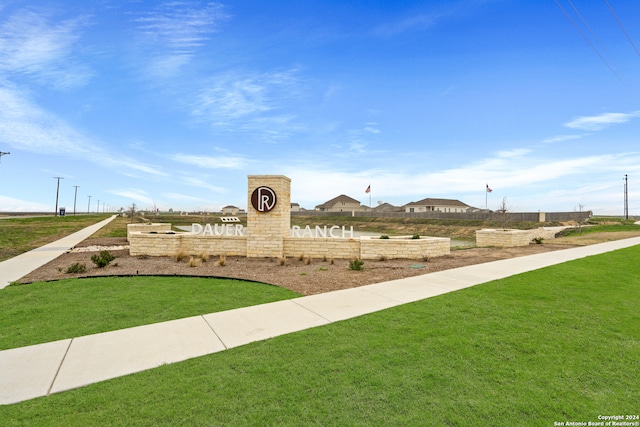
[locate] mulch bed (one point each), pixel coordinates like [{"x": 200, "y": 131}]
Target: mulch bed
[{"x": 304, "y": 276}]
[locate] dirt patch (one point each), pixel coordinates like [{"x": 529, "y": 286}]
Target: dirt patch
[{"x": 302, "y": 276}]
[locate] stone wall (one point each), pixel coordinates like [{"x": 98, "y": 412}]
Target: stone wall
[
  {"x": 146, "y": 227},
  {"x": 171, "y": 243},
  {"x": 502, "y": 238},
  {"x": 320, "y": 247},
  {"x": 404, "y": 247},
  {"x": 154, "y": 244},
  {"x": 165, "y": 244}
]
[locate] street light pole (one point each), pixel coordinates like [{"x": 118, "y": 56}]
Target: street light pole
[
  {"x": 75, "y": 195},
  {"x": 89, "y": 206},
  {"x": 57, "y": 192}
]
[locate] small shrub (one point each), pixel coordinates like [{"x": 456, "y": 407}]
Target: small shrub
[
  {"x": 415, "y": 237},
  {"x": 324, "y": 258},
  {"x": 179, "y": 255},
  {"x": 331, "y": 260},
  {"x": 307, "y": 260},
  {"x": 384, "y": 236},
  {"x": 301, "y": 257},
  {"x": 222, "y": 261},
  {"x": 382, "y": 258},
  {"x": 283, "y": 260},
  {"x": 76, "y": 268},
  {"x": 356, "y": 264},
  {"x": 538, "y": 240},
  {"x": 103, "y": 259},
  {"x": 195, "y": 262},
  {"x": 204, "y": 256}
]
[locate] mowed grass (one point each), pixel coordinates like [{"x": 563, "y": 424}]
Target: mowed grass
[
  {"x": 49, "y": 311},
  {"x": 554, "y": 345},
  {"x": 19, "y": 235}
]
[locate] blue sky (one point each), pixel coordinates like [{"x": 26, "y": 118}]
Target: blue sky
[{"x": 172, "y": 104}]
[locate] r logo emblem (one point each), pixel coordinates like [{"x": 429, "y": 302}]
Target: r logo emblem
[{"x": 263, "y": 199}]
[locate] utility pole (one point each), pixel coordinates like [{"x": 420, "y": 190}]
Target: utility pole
[
  {"x": 57, "y": 192},
  {"x": 75, "y": 195},
  {"x": 98, "y": 210},
  {"x": 626, "y": 197},
  {"x": 3, "y": 153},
  {"x": 89, "y": 206}
]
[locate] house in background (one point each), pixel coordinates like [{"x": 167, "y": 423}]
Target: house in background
[
  {"x": 295, "y": 207},
  {"x": 387, "y": 207},
  {"x": 437, "y": 205},
  {"x": 342, "y": 203},
  {"x": 230, "y": 210}
]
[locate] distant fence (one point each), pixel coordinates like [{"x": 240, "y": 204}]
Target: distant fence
[{"x": 474, "y": 216}]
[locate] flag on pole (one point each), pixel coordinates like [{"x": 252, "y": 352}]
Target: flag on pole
[
  {"x": 488, "y": 189},
  {"x": 368, "y": 190}
]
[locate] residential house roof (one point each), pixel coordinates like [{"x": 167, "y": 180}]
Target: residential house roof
[
  {"x": 340, "y": 199},
  {"x": 438, "y": 202}
]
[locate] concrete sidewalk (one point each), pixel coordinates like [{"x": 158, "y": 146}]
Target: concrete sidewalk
[
  {"x": 23, "y": 264},
  {"x": 39, "y": 370}
]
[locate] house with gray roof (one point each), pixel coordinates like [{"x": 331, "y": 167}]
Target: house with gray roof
[
  {"x": 437, "y": 205},
  {"x": 342, "y": 203}
]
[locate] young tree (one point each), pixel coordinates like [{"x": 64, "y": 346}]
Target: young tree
[
  {"x": 132, "y": 212},
  {"x": 503, "y": 208}
]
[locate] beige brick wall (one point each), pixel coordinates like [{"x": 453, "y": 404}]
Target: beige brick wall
[
  {"x": 162, "y": 244},
  {"x": 503, "y": 238},
  {"x": 317, "y": 248},
  {"x": 266, "y": 230},
  {"x": 154, "y": 244},
  {"x": 170, "y": 244},
  {"x": 425, "y": 247}
]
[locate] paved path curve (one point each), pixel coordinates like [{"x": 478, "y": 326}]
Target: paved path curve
[{"x": 23, "y": 264}]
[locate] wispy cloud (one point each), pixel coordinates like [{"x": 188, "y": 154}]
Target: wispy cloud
[
  {"x": 140, "y": 196},
  {"x": 503, "y": 171},
  {"x": 201, "y": 183},
  {"x": 11, "y": 204},
  {"x": 27, "y": 127},
  {"x": 24, "y": 125},
  {"x": 175, "y": 30},
  {"x": 602, "y": 121},
  {"x": 251, "y": 103},
  {"x": 184, "y": 197},
  {"x": 32, "y": 46},
  {"x": 211, "y": 162},
  {"x": 562, "y": 138}
]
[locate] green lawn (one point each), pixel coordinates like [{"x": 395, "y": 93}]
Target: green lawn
[
  {"x": 19, "y": 235},
  {"x": 555, "y": 345},
  {"x": 42, "y": 312}
]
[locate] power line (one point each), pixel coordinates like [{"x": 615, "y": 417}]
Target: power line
[
  {"x": 604, "y": 61},
  {"x": 622, "y": 27},
  {"x": 593, "y": 34}
]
